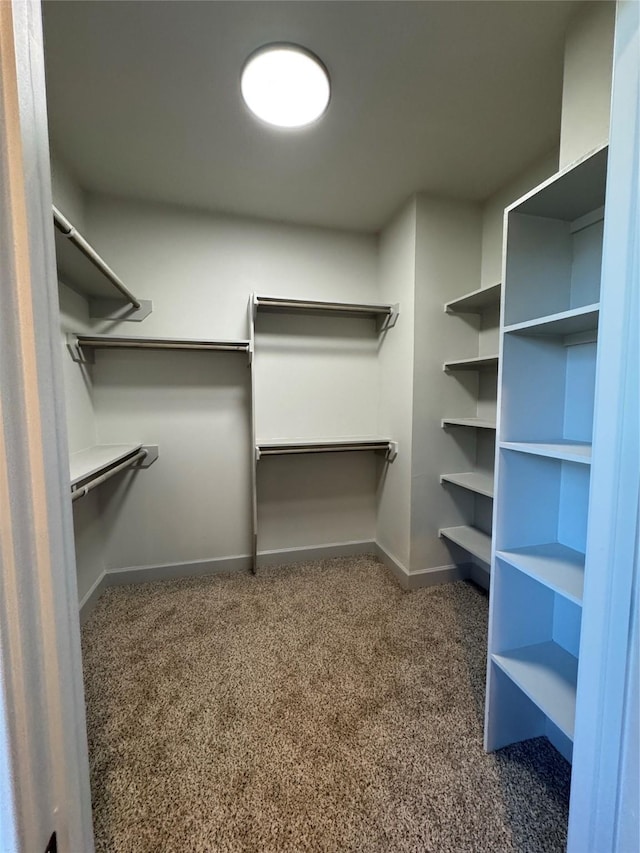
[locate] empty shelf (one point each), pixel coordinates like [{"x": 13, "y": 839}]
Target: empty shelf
[
  {"x": 476, "y": 301},
  {"x": 349, "y": 309},
  {"x": 479, "y": 423},
  {"x": 475, "y": 541},
  {"x": 552, "y": 564},
  {"x": 571, "y": 322},
  {"x": 548, "y": 675},
  {"x": 82, "y": 268},
  {"x": 570, "y": 451},
  {"x": 118, "y": 342},
  {"x": 474, "y": 481},
  {"x": 93, "y": 460},
  {"x": 478, "y": 363}
]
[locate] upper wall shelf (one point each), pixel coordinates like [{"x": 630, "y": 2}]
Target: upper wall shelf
[
  {"x": 475, "y": 302},
  {"x": 95, "y": 465},
  {"x": 82, "y": 269},
  {"x": 478, "y": 423},
  {"x": 481, "y": 362},
  {"x": 386, "y": 315},
  {"x": 78, "y": 343}
]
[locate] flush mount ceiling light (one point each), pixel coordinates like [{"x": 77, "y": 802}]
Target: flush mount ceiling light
[{"x": 285, "y": 85}]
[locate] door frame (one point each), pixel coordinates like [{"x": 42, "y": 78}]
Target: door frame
[{"x": 44, "y": 771}]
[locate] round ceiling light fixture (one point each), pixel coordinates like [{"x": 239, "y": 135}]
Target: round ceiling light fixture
[{"x": 285, "y": 85}]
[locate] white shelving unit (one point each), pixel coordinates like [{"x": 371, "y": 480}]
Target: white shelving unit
[
  {"x": 478, "y": 311},
  {"x": 547, "y": 383},
  {"x": 84, "y": 270}
]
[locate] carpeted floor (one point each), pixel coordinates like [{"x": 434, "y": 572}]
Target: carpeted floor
[{"x": 312, "y": 708}]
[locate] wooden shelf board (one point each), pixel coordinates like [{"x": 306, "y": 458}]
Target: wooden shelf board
[
  {"x": 475, "y": 541},
  {"x": 477, "y": 363},
  {"x": 474, "y": 481},
  {"x": 555, "y": 565},
  {"x": 571, "y": 322},
  {"x": 93, "y": 460},
  {"x": 569, "y": 451},
  {"x": 548, "y": 675},
  {"x": 479, "y": 423},
  {"x": 476, "y": 301}
]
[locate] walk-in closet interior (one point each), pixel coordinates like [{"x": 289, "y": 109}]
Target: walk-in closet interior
[{"x": 332, "y": 343}]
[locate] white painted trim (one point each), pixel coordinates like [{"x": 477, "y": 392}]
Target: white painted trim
[
  {"x": 609, "y": 605},
  {"x": 90, "y": 599},
  {"x": 317, "y": 552},
  {"x": 46, "y": 766},
  {"x": 421, "y": 578},
  {"x": 174, "y": 571}
]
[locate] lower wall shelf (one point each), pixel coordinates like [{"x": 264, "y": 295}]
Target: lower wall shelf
[
  {"x": 476, "y": 542},
  {"x": 473, "y": 481}
]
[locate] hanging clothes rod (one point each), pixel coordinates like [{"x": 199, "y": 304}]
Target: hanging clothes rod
[
  {"x": 349, "y": 309},
  {"x": 65, "y": 227},
  {"x": 81, "y": 491},
  {"x": 77, "y": 342},
  {"x": 331, "y": 446}
]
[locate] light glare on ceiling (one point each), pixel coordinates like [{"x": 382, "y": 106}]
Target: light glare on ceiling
[{"x": 285, "y": 85}]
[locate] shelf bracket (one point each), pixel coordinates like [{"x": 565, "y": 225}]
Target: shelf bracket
[
  {"x": 258, "y": 453},
  {"x": 152, "y": 453},
  {"x": 117, "y": 309},
  {"x": 77, "y": 353},
  {"x": 391, "y": 319},
  {"x": 392, "y": 451}
]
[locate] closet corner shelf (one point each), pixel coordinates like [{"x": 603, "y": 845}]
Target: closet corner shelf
[
  {"x": 90, "y": 467},
  {"x": 82, "y": 268},
  {"x": 78, "y": 343},
  {"x": 547, "y": 674},
  {"x": 481, "y": 362},
  {"x": 552, "y": 564},
  {"x": 475, "y": 302},
  {"x": 567, "y": 451},
  {"x": 473, "y": 481},
  {"x": 478, "y": 423},
  {"x": 475, "y": 541},
  {"x": 578, "y": 325},
  {"x": 386, "y": 314},
  {"x": 286, "y": 447}
]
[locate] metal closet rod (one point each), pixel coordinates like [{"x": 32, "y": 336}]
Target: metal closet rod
[
  {"x": 266, "y": 302},
  {"x": 115, "y": 342},
  {"x": 65, "y": 227},
  {"x": 84, "y": 490}
]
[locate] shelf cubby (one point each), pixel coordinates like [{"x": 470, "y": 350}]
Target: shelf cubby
[
  {"x": 568, "y": 451},
  {"x": 551, "y": 387},
  {"x": 552, "y": 564}
]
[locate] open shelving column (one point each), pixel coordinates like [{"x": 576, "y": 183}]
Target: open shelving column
[
  {"x": 547, "y": 383},
  {"x": 385, "y": 316},
  {"x": 480, "y": 311}
]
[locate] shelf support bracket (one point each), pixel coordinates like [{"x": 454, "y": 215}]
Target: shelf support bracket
[
  {"x": 117, "y": 309},
  {"x": 77, "y": 353},
  {"x": 392, "y": 451},
  {"x": 391, "y": 319}
]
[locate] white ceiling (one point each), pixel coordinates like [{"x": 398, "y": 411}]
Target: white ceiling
[{"x": 453, "y": 98}]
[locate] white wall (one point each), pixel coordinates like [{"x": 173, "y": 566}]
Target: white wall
[
  {"x": 493, "y": 213},
  {"x": 68, "y": 197},
  {"x": 396, "y": 271},
  {"x": 199, "y": 270},
  {"x": 586, "y": 88},
  {"x": 448, "y": 252}
]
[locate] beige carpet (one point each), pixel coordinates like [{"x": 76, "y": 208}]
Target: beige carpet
[{"x": 312, "y": 708}]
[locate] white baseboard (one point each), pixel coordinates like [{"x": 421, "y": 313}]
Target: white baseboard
[
  {"x": 423, "y": 577},
  {"x": 194, "y": 568},
  {"x": 90, "y": 599},
  {"x": 315, "y": 552}
]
